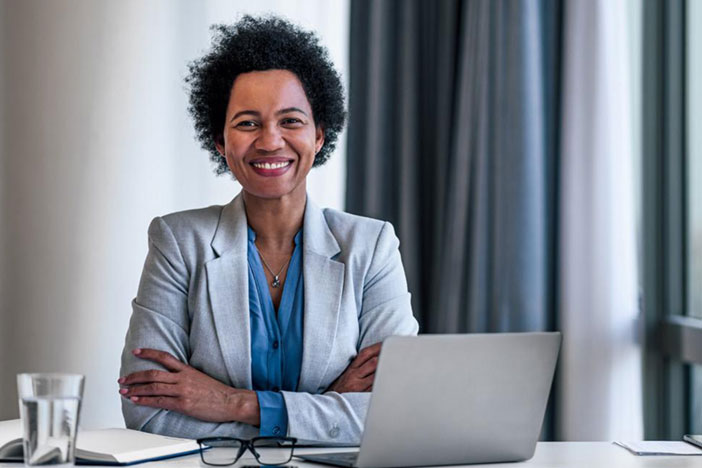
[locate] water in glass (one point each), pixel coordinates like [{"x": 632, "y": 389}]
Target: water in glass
[{"x": 50, "y": 425}]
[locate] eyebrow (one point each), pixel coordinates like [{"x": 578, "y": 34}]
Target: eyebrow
[{"x": 257, "y": 114}]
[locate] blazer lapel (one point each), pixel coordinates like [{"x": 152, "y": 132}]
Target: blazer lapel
[
  {"x": 323, "y": 283},
  {"x": 228, "y": 286}
]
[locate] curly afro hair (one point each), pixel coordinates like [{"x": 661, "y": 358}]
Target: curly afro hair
[{"x": 258, "y": 44}]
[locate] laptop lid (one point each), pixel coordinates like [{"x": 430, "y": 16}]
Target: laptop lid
[{"x": 458, "y": 399}]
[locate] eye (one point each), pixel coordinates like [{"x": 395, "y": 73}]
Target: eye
[
  {"x": 291, "y": 122},
  {"x": 246, "y": 124}
]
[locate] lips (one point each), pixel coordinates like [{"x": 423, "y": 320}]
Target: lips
[{"x": 271, "y": 167}]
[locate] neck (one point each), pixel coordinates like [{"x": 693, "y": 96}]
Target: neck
[{"x": 275, "y": 221}]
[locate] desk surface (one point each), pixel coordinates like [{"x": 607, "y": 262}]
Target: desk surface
[{"x": 548, "y": 455}]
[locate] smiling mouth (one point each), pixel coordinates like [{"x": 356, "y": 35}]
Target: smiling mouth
[
  {"x": 273, "y": 167},
  {"x": 269, "y": 166}
]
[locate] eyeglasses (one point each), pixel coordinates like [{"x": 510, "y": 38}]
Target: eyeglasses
[{"x": 225, "y": 451}]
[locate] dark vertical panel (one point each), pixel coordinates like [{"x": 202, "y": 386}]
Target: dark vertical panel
[
  {"x": 652, "y": 197},
  {"x": 440, "y": 110},
  {"x": 552, "y": 32},
  {"x": 407, "y": 163},
  {"x": 677, "y": 398},
  {"x": 666, "y": 402},
  {"x": 359, "y": 82}
]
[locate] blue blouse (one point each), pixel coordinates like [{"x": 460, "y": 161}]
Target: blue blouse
[{"x": 276, "y": 338}]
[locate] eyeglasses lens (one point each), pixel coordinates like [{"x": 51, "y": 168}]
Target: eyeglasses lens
[
  {"x": 274, "y": 452},
  {"x": 220, "y": 452}
]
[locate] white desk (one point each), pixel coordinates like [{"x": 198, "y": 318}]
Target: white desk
[{"x": 548, "y": 455}]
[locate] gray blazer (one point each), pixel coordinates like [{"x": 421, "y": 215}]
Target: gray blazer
[{"x": 193, "y": 302}]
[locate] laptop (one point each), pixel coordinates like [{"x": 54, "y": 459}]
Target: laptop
[{"x": 455, "y": 400}]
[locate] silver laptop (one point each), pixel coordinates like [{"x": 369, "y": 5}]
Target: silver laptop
[{"x": 454, "y": 400}]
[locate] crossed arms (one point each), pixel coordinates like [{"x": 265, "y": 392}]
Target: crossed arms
[{"x": 167, "y": 390}]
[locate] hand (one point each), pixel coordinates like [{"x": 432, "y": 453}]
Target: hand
[
  {"x": 359, "y": 375},
  {"x": 187, "y": 390}
]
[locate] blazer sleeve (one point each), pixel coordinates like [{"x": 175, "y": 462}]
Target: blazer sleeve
[
  {"x": 338, "y": 418},
  {"x": 160, "y": 320}
]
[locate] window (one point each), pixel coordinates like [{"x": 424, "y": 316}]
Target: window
[{"x": 672, "y": 217}]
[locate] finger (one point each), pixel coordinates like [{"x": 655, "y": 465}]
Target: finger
[
  {"x": 164, "y": 402},
  {"x": 148, "y": 376},
  {"x": 369, "y": 389},
  {"x": 152, "y": 389},
  {"x": 358, "y": 385},
  {"x": 165, "y": 359},
  {"x": 366, "y": 354},
  {"x": 368, "y": 367},
  {"x": 366, "y": 382}
]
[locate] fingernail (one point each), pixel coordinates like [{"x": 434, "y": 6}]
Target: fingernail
[
  {"x": 123, "y": 390},
  {"x": 120, "y": 380},
  {"x": 134, "y": 398},
  {"x": 137, "y": 351}
]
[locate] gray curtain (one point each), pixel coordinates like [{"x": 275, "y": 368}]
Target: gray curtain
[{"x": 453, "y": 138}]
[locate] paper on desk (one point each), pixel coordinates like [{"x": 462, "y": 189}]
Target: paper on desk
[{"x": 659, "y": 447}]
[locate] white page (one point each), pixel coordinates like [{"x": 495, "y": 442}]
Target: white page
[
  {"x": 659, "y": 447},
  {"x": 126, "y": 445},
  {"x": 10, "y": 431}
]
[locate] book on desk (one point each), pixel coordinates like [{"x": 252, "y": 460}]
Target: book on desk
[{"x": 112, "y": 447}]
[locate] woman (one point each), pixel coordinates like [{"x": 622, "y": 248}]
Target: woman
[{"x": 264, "y": 316}]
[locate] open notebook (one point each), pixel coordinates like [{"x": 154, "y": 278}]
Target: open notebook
[{"x": 103, "y": 446}]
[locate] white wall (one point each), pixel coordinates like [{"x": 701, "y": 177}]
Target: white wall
[{"x": 98, "y": 142}]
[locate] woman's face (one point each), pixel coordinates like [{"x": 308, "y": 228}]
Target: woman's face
[{"x": 270, "y": 138}]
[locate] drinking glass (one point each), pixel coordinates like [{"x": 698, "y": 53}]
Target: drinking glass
[{"x": 49, "y": 408}]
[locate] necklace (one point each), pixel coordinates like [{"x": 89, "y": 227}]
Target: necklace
[{"x": 276, "y": 281}]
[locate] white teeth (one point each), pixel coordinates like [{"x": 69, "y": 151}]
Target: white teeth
[{"x": 271, "y": 166}]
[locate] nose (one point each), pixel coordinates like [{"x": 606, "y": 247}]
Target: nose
[{"x": 269, "y": 140}]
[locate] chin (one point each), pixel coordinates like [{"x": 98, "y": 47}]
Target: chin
[{"x": 269, "y": 193}]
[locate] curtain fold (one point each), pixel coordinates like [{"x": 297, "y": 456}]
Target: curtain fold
[{"x": 451, "y": 138}]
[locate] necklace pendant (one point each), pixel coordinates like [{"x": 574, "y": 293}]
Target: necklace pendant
[{"x": 275, "y": 282}]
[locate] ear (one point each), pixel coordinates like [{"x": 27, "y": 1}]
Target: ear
[
  {"x": 318, "y": 139},
  {"x": 219, "y": 144}
]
